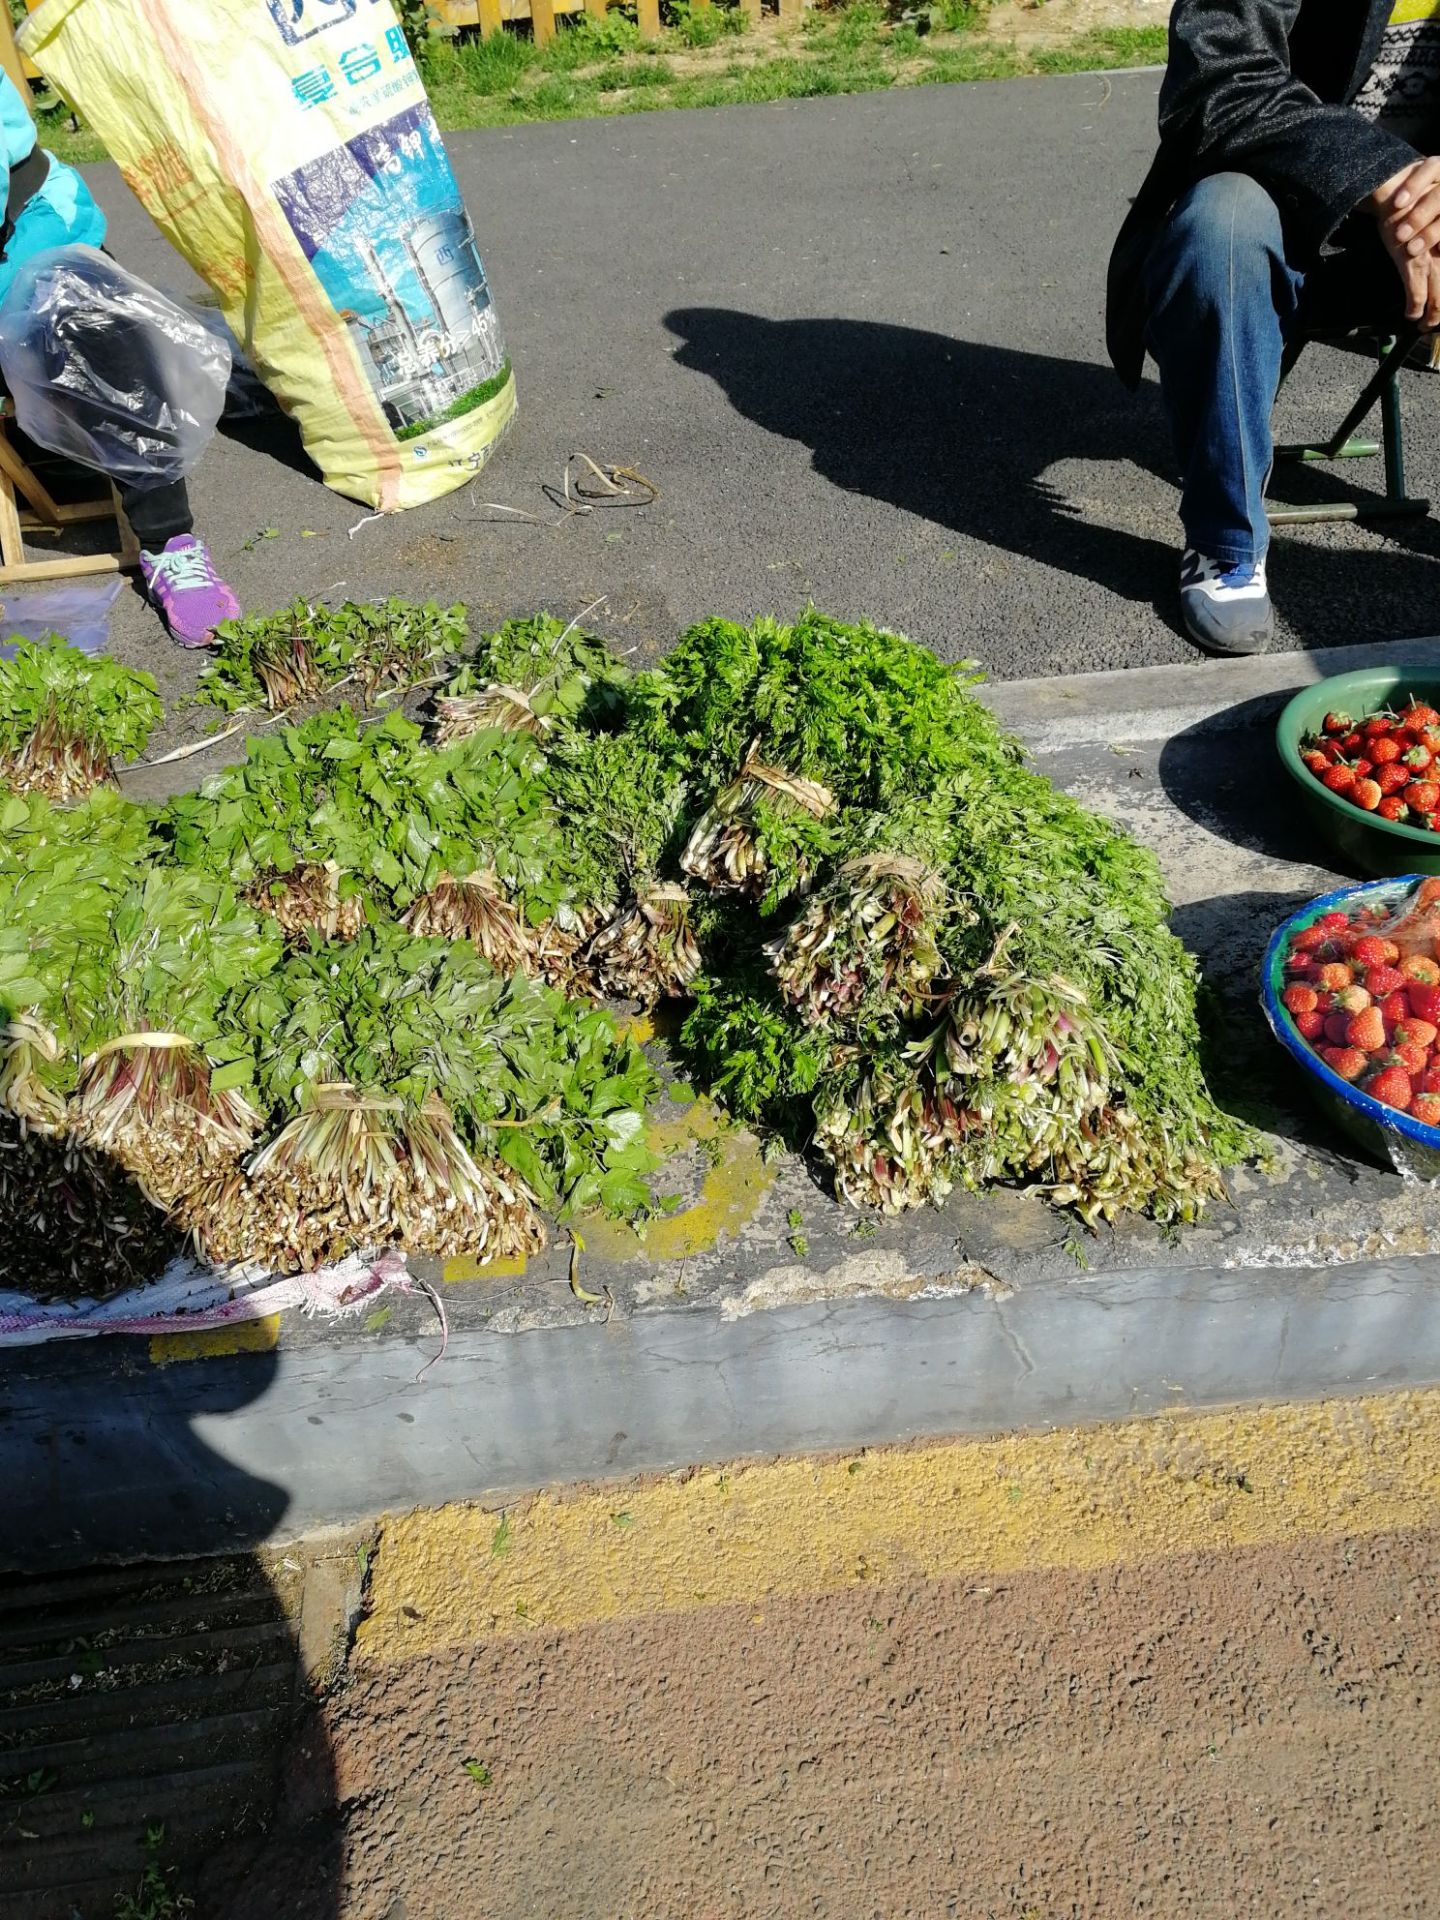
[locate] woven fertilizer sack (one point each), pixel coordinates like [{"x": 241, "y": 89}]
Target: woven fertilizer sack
[{"x": 286, "y": 148}]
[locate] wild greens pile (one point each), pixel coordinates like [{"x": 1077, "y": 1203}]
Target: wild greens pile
[
  {"x": 281, "y": 660},
  {"x": 66, "y": 717},
  {"x": 345, "y": 995}
]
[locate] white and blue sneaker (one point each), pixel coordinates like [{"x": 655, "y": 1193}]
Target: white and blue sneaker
[{"x": 1226, "y": 608}]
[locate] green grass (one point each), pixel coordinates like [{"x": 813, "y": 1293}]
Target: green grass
[
  {"x": 710, "y": 58},
  {"x": 467, "y": 403}
]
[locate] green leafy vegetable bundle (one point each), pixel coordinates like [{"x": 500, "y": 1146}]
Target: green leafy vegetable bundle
[
  {"x": 66, "y": 717},
  {"x": 532, "y": 677},
  {"x": 418, "y": 1092},
  {"x": 280, "y": 660},
  {"x": 980, "y": 985}
]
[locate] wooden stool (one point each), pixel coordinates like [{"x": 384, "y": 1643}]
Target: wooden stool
[{"x": 49, "y": 516}]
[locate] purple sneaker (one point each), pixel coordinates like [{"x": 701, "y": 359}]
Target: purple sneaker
[{"x": 186, "y": 592}]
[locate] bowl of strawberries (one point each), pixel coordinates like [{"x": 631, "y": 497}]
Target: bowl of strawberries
[
  {"x": 1351, "y": 989},
  {"x": 1365, "y": 750}
]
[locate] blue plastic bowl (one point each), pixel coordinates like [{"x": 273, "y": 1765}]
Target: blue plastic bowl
[{"x": 1391, "y": 1136}]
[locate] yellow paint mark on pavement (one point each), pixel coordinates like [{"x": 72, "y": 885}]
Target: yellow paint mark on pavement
[
  {"x": 211, "y": 1343},
  {"x": 1078, "y": 1498},
  {"x": 463, "y": 1268},
  {"x": 730, "y": 1192}
]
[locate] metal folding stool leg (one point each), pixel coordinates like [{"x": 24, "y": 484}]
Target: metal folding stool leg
[{"x": 1384, "y": 386}]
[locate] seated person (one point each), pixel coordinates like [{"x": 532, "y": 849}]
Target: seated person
[
  {"x": 50, "y": 206},
  {"x": 1293, "y": 184}
]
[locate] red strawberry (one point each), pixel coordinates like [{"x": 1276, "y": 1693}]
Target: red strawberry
[
  {"x": 1337, "y": 1029},
  {"x": 1395, "y": 1006},
  {"x": 1392, "y": 807},
  {"x": 1352, "y": 743},
  {"x": 1413, "y": 1059},
  {"x": 1301, "y": 999},
  {"x": 1366, "y": 1030},
  {"x": 1334, "y": 922},
  {"x": 1421, "y": 969},
  {"x": 1383, "y": 748},
  {"x": 1392, "y": 778},
  {"x": 1340, "y": 779},
  {"x": 1378, "y": 723},
  {"x": 1316, "y": 761},
  {"x": 1365, "y": 794},
  {"x": 1411, "y": 1032},
  {"x": 1423, "y": 796},
  {"x": 1348, "y": 1062},
  {"x": 1310, "y": 1026},
  {"x": 1338, "y": 723},
  {"x": 1334, "y": 976},
  {"x": 1425, "y": 1107},
  {"x": 1380, "y": 981},
  {"x": 1418, "y": 757},
  {"x": 1430, "y": 1080},
  {"x": 1424, "y": 1002},
  {"x": 1308, "y": 938},
  {"x": 1391, "y": 1087},
  {"x": 1371, "y": 951},
  {"x": 1418, "y": 716}
]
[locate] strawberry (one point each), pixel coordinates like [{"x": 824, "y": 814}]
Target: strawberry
[
  {"x": 1371, "y": 951},
  {"x": 1413, "y": 1059},
  {"x": 1377, "y": 724},
  {"x": 1337, "y": 1029},
  {"x": 1383, "y": 748},
  {"x": 1391, "y": 1087},
  {"x": 1392, "y": 778},
  {"x": 1425, "y": 1107},
  {"x": 1423, "y": 796},
  {"x": 1301, "y": 999},
  {"x": 1411, "y": 1032},
  {"x": 1424, "y": 1002},
  {"x": 1316, "y": 761},
  {"x": 1309, "y": 938},
  {"x": 1418, "y": 757},
  {"x": 1418, "y": 716},
  {"x": 1310, "y": 1026},
  {"x": 1430, "y": 1080},
  {"x": 1392, "y": 807},
  {"x": 1362, "y": 767},
  {"x": 1335, "y": 976},
  {"x": 1352, "y": 999},
  {"x": 1366, "y": 794},
  {"x": 1380, "y": 981},
  {"x": 1338, "y": 723},
  {"x": 1334, "y": 922},
  {"x": 1421, "y": 970},
  {"x": 1340, "y": 779},
  {"x": 1352, "y": 743},
  {"x": 1366, "y": 1030},
  {"x": 1348, "y": 1062},
  {"x": 1394, "y": 1006}
]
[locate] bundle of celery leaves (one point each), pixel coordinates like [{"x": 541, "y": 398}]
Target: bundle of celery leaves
[{"x": 351, "y": 993}]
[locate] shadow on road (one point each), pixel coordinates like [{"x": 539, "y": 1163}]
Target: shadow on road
[
  {"x": 158, "y": 1714},
  {"x": 964, "y": 435}
]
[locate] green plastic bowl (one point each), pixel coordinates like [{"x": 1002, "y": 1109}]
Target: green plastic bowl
[{"x": 1364, "y": 842}]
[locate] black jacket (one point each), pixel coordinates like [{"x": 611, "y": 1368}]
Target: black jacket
[{"x": 1259, "y": 87}]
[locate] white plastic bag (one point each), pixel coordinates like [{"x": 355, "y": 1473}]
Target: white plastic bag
[{"x": 108, "y": 371}]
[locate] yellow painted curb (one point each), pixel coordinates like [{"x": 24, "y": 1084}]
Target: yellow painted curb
[
  {"x": 1078, "y": 1498},
  {"x": 211, "y": 1343}
]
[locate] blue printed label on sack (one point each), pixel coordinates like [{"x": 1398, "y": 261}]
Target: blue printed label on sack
[
  {"x": 384, "y": 228},
  {"x": 300, "y": 20}
]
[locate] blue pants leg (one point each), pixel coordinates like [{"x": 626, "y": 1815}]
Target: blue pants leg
[{"x": 1221, "y": 295}]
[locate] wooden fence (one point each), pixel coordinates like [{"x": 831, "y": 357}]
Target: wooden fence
[{"x": 491, "y": 16}]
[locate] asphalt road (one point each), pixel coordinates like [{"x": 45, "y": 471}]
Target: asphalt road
[{"x": 857, "y": 343}]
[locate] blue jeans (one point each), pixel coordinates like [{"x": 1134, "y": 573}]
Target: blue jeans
[{"x": 1223, "y": 298}]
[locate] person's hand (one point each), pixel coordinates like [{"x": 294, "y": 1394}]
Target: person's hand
[
  {"x": 1417, "y": 265},
  {"x": 1409, "y": 204}
]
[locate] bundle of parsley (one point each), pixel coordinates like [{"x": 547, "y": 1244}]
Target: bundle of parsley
[{"x": 67, "y": 717}]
